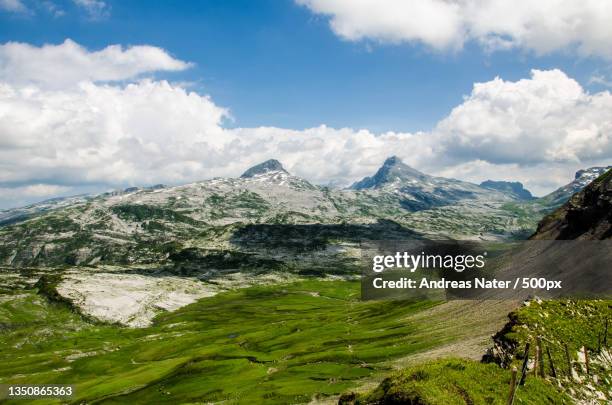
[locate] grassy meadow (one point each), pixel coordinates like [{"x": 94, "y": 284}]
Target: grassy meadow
[
  {"x": 282, "y": 344},
  {"x": 297, "y": 342}
]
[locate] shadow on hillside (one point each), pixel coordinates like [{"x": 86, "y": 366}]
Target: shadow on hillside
[
  {"x": 308, "y": 237},
  {"x": 441, "y": 197},
  {"x": 261, "y": 248}
]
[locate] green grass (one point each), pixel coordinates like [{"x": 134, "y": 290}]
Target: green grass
[
  {"x": 281, "y": 344},
  {"x": 456, "y": 381},
  {"x": 555, "y": 322},
  {"x": 574, "y": 323},
  {"x": 285, "y": 343},
  {"x": 560, "y": 323}
]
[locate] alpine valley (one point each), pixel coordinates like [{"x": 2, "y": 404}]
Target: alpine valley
[{"x": 170, "y": 294}]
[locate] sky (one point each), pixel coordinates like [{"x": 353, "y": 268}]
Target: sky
[{"x": 97, "y": 95}]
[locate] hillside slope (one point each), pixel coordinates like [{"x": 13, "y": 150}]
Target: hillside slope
[{"x": 567, "y": 328}]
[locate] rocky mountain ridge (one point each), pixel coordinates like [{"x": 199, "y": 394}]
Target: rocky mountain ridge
[
  {"x": 581, "y": 179},
  {"x": 155, "y": 224},
  {"x": 266, "y": 205},
  {"x": 420, "y": 191}
]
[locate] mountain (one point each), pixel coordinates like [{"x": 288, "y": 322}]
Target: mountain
[
  {"x": 225, "y": 232},
  {"x": 587, "y": 214},
  {"x": 513, "y": 187},
  {"x": 272, "y": 172},
  {"x": 266, "y": 205},
  {"x": 268, "y": 167},
  {"x": 530, "y": 212},
  {"x": 581, "y": 179},
  {"x": 570, "y": 246},
  {"x": 392, "y": 171},
  {"x": 418, "y": 191}
]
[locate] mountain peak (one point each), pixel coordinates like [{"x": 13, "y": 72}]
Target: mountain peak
[
  {"x": 591, "y": 173},
  {"x": 271, "y": 165},
  {"x": 392, "y": 161},
  {"x": 393, "y": 169}
]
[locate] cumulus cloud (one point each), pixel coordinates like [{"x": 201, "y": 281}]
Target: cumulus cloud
[
  {"x": 151, "y": 131},
  {"x": 434, "y": 22},
  {"x": 537, "y": 130},
  {"x": 548, "y": 117},
  {"x": 66, "y": 64},
  {"x": 539, "y": 26},
  {"x": 323, "y": 154},
  {"x": 137, "y": 133},
  {"x": 13, "y": 6}
]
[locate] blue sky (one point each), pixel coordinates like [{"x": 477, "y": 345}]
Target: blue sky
[
  {"x": 272, "y": 62},
  {"x": 103, "y": 94}
]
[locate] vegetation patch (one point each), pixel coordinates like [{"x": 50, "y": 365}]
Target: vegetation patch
[
  {"x": 565, "y": 330},
  {"x": 455, "y": 381},
  {"x": 143, "y": 212}
]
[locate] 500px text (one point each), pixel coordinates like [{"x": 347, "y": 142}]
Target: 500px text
[{"x": 478, "y": 283}]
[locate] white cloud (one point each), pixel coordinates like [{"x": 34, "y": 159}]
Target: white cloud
[
  {"x": 540, "y": 26},
  {"x": 323, "y": 154},
  {"x": 13, "y": 6},
  {"x": 143, "y": 132},
  {"x": 59, "y": 66},
  {"x": 437, "y": 23},
  {"x": 537, "y": 130},
  {"x": 547, "y": 118},
  {"x": 96, "y": 9}
]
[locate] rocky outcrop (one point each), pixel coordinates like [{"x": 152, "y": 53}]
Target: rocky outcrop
[
  {"x": 268, "y": 166},
  {"x": 587, "y": 214},
  {"x": 582, "y": 178},
  {"x": 513, "y": 187}
]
